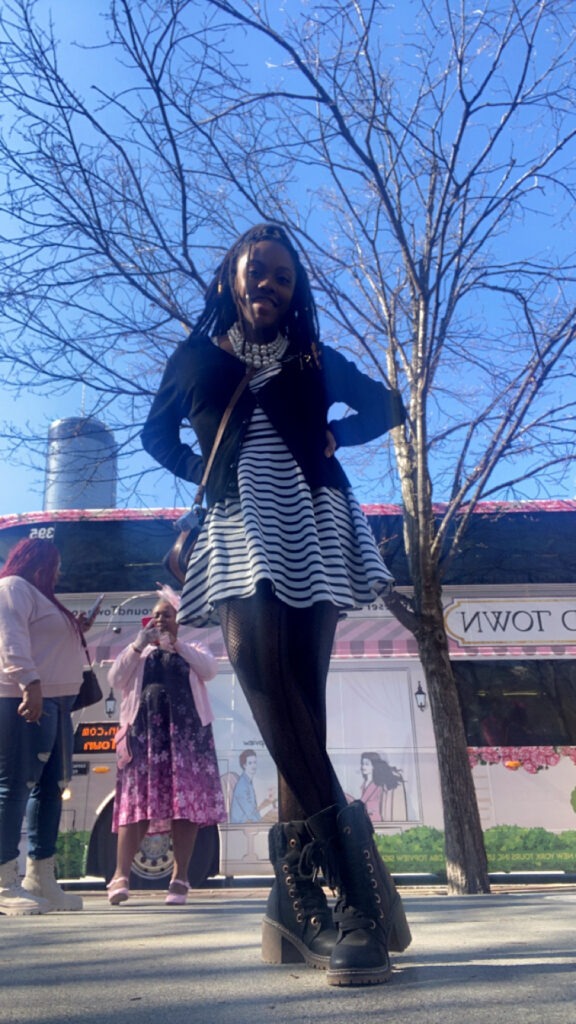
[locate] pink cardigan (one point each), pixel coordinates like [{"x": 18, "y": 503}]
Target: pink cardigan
[{"x": 127, "y": 672}]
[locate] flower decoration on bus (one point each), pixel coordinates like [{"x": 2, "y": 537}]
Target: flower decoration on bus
[{"x": 530, "y": 759}]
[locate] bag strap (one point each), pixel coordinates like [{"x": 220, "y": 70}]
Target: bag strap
[
  {"x": 85, "y": 646},
  {"x": 219, "y": 434}
]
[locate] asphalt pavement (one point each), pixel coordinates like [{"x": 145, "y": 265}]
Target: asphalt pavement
[{"x": 505, "y": 957}]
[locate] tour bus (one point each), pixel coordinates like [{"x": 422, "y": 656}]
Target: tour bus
[{"x": 510, "y": 612}]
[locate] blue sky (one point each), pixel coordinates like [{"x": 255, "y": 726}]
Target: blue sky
[{"x": 22, "y": 488}]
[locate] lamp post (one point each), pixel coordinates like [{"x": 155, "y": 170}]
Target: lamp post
[
  {"x": 110, "y": 704},
  {"x": 420, "y": 696}
]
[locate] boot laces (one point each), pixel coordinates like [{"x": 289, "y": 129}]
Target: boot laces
[
  {"x": 349, "y": 918},
  {"x": 359, "y": 905},
  {"x": 309, "y": 895},
  {"x": 320, "y": 856}
]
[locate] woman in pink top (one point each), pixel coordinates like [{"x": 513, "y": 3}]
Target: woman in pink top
[
  {"x": 168, "y": 779},
  {"x": 41, "y": 661}
]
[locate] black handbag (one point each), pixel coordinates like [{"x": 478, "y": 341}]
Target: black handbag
[
  {"x": 190, "y": 525},
  {"x": 90, "y": 691}
]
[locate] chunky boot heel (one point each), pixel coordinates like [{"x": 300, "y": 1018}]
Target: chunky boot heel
[
  {"x": 278, "y": 945},
  {"x": 399, "y": 935},
  {"x": 298, "y": 924}
]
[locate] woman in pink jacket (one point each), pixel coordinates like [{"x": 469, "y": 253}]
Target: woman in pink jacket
[{"x": 168, "y": 777}]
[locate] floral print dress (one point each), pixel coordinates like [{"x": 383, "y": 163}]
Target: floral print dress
[{"x": 173, "y": 772}]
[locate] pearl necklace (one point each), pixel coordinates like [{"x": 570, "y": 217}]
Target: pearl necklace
[{"x": 253, "y": 354}]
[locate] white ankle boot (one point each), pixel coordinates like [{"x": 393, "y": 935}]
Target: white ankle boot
[
  {"x": 15, "y": 901},
  {"x": 40, "y": 881}
]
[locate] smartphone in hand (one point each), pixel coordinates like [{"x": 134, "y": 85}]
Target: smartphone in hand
[
  {"x": 94, "y": 609},
  {"x": 153, "y": 633}
]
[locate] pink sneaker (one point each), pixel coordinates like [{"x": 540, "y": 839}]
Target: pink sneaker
[{"x": 177, "y": 893}]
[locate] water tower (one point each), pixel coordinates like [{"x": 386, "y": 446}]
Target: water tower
[{"x": 81, "y": 465}]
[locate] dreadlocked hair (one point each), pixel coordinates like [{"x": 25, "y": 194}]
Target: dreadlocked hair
[{"x": 299, "y": 326}]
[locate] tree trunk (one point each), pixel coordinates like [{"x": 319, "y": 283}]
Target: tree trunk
[{"x": 466, "y": 862}]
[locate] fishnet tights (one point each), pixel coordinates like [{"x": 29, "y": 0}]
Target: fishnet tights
[{"x": 281, "y": 657}]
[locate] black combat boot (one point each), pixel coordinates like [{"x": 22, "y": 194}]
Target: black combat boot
[
  {"x": 369, "y": 911},
  {"x": 298, "y": 922}
]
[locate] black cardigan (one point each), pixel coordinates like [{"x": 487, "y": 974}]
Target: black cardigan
[{"x": 199, "y": 381}]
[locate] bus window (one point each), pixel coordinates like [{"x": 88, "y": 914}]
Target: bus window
[{"x": 518, "y": 703}]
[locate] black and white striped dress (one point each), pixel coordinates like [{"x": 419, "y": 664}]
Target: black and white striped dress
[{"x": 310, "y": 545}]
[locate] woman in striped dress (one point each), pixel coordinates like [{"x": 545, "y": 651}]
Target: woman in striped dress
[{"x": 284, "y": 550}]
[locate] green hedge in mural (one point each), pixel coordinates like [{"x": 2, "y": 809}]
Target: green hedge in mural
[
  {"x": 418, "y": 850},
  {"x": 511, "y": 848},
  {"x": 71, "y": 854},
  {"x": 508, "y": 848}
]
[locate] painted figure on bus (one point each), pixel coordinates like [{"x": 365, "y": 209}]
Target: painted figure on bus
[
  {"x": 244, "y": 806},
  {"x": 284, "y": 549},
  {"x": 168, "y": 779},
  {"x": 380, "y": 780},
  {"x": 41, "y": 662}
]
